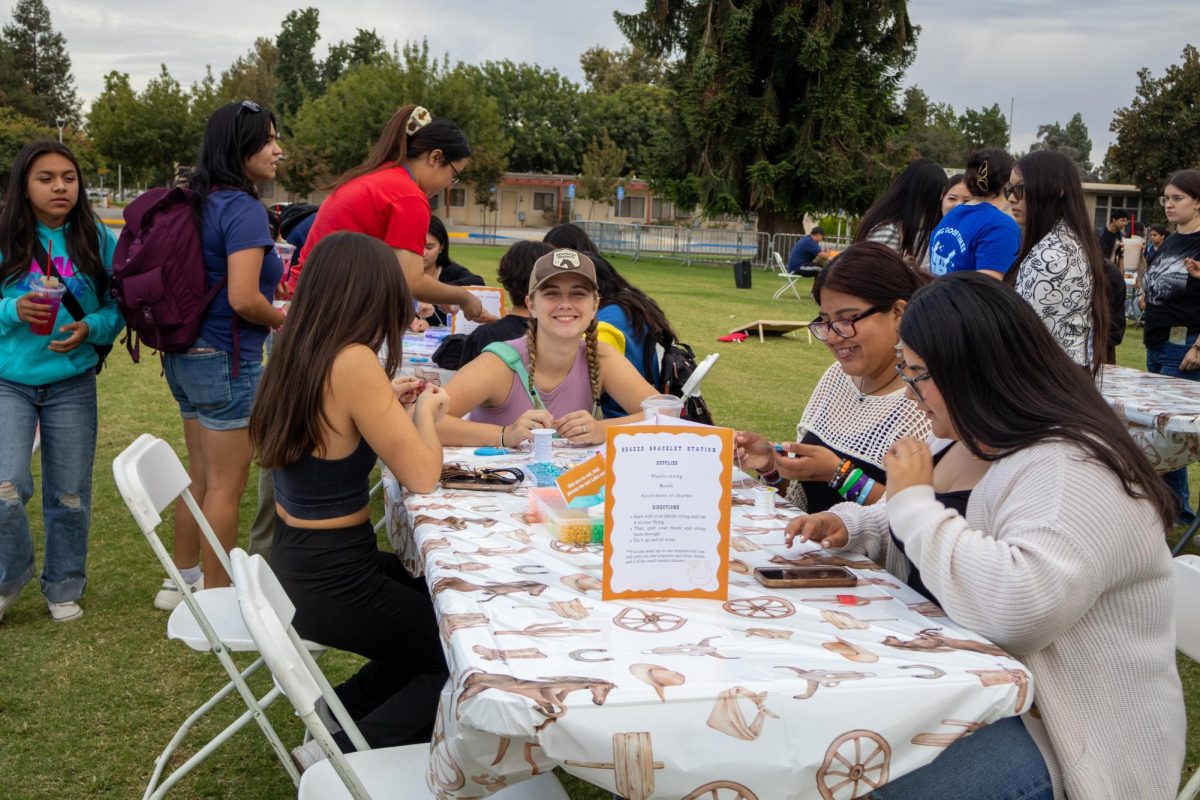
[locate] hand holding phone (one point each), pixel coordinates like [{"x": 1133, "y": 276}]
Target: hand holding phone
[{"x": 804, "y": 577}]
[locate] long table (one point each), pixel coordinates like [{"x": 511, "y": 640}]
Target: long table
[
  {"x": 777, "y": 693},
  {"x": 1162, "y": 413}
]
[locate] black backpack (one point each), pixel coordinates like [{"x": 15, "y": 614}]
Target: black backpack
[{"x": 678, "y": 364}]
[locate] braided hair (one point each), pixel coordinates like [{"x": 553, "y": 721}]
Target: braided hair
[
  {"x": 531, "y": 346},
  {"x": 593, "y": 355}
]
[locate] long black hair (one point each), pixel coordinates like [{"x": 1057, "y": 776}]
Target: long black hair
[
  {"x": 872, "y": 272},
  {"x": 18, "y": 224},
  {"x": 1053, "y": 194},
  {"x": 234, "y": 132},
  {"x": 1008, "y": 385},
  {"x": 570, "y": 236},
  {"x": 437, "y": 229},
  {"x": 396, "y": 145},
  {"x": 649, "y": 322},
  {"x": 913, "y": 203}
]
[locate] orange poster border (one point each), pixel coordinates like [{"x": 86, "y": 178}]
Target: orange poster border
[{"x": 725, "y": 435}]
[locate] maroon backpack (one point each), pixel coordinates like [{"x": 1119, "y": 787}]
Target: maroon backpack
[{"x": 158, "y": 276}]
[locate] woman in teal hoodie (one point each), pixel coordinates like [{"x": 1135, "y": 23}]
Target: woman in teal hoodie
[{"x": 50, "y": 378}]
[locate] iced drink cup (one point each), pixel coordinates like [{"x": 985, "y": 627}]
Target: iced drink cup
[
  {"x": 657, "y": 406},
  {"x": 285, "y": 252},
  {"x": 47, "y": 291}
]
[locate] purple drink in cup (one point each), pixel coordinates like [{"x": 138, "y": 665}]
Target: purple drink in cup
[{"x": 47, "y": 291}]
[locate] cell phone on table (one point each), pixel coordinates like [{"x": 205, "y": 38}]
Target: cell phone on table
[{"x": 804, "y": 577}]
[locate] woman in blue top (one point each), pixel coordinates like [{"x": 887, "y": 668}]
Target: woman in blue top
[
  {"x": 979, "y": 234},
  {"x": 214, "y": 381},
  {"x": 50, "y": 379}
]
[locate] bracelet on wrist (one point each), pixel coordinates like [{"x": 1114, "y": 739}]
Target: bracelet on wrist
[
  {"x": 772, "y": 477},
  {"x": 861, "y": 496},
  {"x": 846, "y": 484},
  {"x": 840, "y": 473},
  {"x": 503, "y": 428}
]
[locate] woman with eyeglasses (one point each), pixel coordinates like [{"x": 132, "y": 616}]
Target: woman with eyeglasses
[
  {"x": 1059, "y": 269},
  {"x": 214, "y": 380},
  {"x": 978, "y": 234},
  {"x": 1058, "y": 556},
  {"x": 387, "y": 196},
  {"x": 858, "y": 407}
]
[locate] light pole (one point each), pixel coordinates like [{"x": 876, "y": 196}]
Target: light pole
[{"x": 61, "y": 122}]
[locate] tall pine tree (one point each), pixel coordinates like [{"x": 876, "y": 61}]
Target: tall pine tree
[
  {"x": 297, "y": 71},
  {"x": 39, "y": 58}
]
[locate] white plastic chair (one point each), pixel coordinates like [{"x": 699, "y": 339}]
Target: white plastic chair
[
  {"x": 149, "y": 477},
  {"x": 1187, "y": 631},
  {"x": 391, "y": 772},
  {"x": 788, "y": 278}
]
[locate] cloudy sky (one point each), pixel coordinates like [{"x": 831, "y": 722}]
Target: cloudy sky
[{"x": 1050, "y": 59}]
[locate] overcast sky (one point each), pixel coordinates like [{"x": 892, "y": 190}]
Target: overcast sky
[{"x": 1051, "y": 58}]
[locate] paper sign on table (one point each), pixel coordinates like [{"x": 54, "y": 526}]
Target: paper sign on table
[
  {"x": 493, "y": 303},
  {"x": 582, "y": 480},
  {"x": 667, "y": 507}
]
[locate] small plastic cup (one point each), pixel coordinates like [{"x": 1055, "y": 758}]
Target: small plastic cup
[
  {"x": 286, "y": 253},
  {"x": 47, "y": 292},
  {"x": 764, "y": 499},
  {"x": 662, "y": 405},
  {"x": 543, "y": 444}
]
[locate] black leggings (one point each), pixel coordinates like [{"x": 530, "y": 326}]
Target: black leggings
[{"x": 352, "y": 596}]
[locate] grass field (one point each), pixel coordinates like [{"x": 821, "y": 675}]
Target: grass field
[{"x": 85, "y": 706}]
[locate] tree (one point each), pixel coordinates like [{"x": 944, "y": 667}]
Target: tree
[
  {"x": 39, "y": 55},
  {"x": 1072, "y": 140},
  {"x": 540, "y": 110},
  {"x": 609, "y": 70},
  {"x": 297, "y": 72},
  {"x": 635, "y": 117},
  {"x": 113, "y": 123},
  {"x": 603, "y": 165},
  {"x": 252, "y": 76},
  {"x": 147, "y": 132},
  {"x": 932, "y": 130},
  {"x": 1159, "y": 132},
  {"x": 780, "y": 107},
  {"x": 365, "y": 48},
  {"x": 16, "y": 131},
  {"x": 984, "y": 127}
]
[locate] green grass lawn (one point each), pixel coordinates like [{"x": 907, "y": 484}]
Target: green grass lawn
[{"x": 85, "y": 706}]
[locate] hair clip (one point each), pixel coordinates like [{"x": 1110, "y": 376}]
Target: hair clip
[
  {"x": 982, "y": 179},
  {"x": 418, "y": 119}
]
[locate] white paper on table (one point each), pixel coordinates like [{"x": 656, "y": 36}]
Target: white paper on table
[{"x": 493, "y": 303}]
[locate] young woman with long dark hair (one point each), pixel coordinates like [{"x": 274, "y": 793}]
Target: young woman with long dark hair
[
  {"x": 442, "y": 268},
  {"x": 956, "y": 192},
  {"x": 639, "y": 319},
  {"x": 387, "y": 196},
  {"x": 325, "y": 414},
  {"x": 978, "y": 234},
  {"x": 572, "y": 237},
  {"x": 1059, "y": 268},
  {"x": 50, "y": 377},
  {"x": 904, "y": 216},
  {"x": 215, "y": 379},
  {"x": 858, "y": 407},
  {"x": 1059, "y": 558}
]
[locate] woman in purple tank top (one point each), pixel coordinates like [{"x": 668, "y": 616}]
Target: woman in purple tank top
[{"x": 568, "y": 369}]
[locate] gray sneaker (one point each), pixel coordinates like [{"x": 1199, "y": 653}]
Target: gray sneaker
[
  {"x": 7, "y": 600},
  {"x": 307, "y": 754},
  {"x": 169, "y": 596},
  {"x": 65, "y": 612}
]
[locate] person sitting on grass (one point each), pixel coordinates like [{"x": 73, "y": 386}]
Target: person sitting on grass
[
  {"x": 566, "y": 368},
  {"x": 1059, "y": 556}
]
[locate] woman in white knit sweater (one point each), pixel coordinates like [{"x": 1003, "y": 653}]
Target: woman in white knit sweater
[{"x": 1060, "y": 558}]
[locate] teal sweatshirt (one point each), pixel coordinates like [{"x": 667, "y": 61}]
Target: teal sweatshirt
[{"x": 27, "y": 359}]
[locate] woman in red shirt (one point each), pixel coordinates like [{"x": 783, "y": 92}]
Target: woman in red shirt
[{"x": 387, "y": 197}]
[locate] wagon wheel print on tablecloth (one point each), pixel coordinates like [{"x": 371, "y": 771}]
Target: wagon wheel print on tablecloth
[
  {"x": 633, "y": 765},
  {"x": 760, "y": 607},
  {"x": 643, "y": 621},
  {"x": 721, "y": 790},
  {"x": 857, "y": 760}
]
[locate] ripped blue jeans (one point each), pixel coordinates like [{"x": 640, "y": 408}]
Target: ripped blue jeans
[{"x": 67, "y": 413}]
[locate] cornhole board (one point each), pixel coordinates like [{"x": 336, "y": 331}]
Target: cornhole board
[{"x": 774, "y": 327}]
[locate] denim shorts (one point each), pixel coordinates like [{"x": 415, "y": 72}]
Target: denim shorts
[{"x": 204, "y": 386}]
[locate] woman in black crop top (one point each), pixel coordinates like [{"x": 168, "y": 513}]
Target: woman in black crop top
[{"x": 324, "y": 414}]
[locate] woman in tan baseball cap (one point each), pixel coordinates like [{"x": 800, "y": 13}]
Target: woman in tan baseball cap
[{"x": 551, "y": 378}]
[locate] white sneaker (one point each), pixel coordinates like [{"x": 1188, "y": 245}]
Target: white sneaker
[
  {"x": 308, "y": 754},
  {"x": 64, "y": 612},
  {"x": 169, "y": 596},
  {"x": 7, "y": 600}
]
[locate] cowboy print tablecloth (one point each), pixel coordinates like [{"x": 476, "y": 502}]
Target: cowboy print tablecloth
[
  {"x": 784, "y": 693},
  {"x": 1162, "y": 414}
]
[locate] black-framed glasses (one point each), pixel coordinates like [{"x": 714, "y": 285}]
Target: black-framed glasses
[
  {"x": 1014, "y": 191},
  {"x": 845, "y": 328},
  {"x": 1171, "y": 198},
  {"x": 457, "y": 175},
  {"x": 911, "y": 382}
]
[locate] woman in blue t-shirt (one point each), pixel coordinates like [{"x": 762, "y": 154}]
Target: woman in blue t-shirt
[
  {"x": 214, "y": 381},
  {"x": 48, "y": 376},
  {"x": 979, "y": 234}
]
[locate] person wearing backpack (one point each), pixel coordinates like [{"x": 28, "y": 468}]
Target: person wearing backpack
[
  {"x": 215, "y": 379},
  {"x": 550, "y": 378},
  {"x": 48, "y": 230}
]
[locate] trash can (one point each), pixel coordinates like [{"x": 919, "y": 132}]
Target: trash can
[{"x": 741, "y": 274}]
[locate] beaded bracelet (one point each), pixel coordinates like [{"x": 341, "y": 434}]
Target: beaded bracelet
[
  {"x": 840, "y": 473},
  {"x": 849, "y": 481},
  {"x": 865, "y": 493},
  {"x": 772, "y": 477}
]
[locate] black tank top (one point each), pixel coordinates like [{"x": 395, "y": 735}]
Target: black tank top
[
  {"x": 952, "y": 500},
  {"x": 319, "y": 488}
]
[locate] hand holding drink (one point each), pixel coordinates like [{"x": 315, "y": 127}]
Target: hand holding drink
[{"x": 40, "y": 306}]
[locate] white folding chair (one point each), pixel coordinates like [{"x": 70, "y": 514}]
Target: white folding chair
[
  {"x": 149, "y": 476},
  {"x": 1187, "y": 631},
  {"x": 789, "y": 280},
  {"x": 392, "y": 772}
]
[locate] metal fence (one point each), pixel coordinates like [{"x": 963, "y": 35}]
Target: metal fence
[{"x": 697, "y": 244}]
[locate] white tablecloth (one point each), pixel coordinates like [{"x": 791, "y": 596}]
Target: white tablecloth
[
  {"x": 1162, "y": 414},
  {"x": 786, "y": 693}
]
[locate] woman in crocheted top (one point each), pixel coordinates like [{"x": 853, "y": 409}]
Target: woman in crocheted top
[{"x": 858, "y": 408}]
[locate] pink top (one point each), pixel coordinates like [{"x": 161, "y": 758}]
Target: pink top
[{"x": 573, "y": 394}]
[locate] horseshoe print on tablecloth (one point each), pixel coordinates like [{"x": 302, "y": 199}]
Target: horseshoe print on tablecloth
[
  {"x": 934, "y": 672},
  {"x": 578, "y": 654}
]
